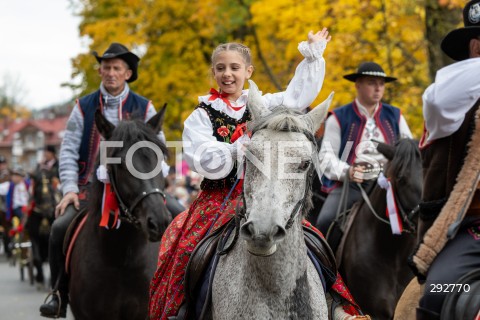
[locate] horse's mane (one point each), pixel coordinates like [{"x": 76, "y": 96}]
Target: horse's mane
[
  {"x": 133, "y": 131},
  {"x": 130, "y": 132},
  {"x": 280, "y": 119},
  {"x": 406, "y": 154},
  {"x": 285, "y": 119}
]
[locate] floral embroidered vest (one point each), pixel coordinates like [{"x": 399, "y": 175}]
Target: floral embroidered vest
[{"x": 223, "y": 128}]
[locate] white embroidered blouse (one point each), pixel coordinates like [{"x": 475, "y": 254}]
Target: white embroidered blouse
[
  {"x": 207, "y": 156},
  {"x": 334, "y": 165}
]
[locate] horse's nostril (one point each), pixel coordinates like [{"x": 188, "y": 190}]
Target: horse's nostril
[
  {"x": 247, "y": 230},
  {"x": 278, "y": 233},
  {"x": 151, "y": 224}
]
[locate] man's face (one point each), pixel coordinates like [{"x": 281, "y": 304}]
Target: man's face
[
  {"x": 114, "y": 73},
  {"x": 370, "y": 90}
]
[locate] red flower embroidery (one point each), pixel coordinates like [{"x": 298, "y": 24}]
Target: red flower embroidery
[{"x": 223, "y": 131}]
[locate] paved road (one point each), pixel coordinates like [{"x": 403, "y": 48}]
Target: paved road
[{"x": 19, "y": 300}]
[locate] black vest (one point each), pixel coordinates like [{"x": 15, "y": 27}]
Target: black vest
[
  {"x": 135, "y": 106},
  {"x": 223, "y": 128}
]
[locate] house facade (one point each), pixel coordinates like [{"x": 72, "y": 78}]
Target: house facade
[{"x": 22, "y": 141}]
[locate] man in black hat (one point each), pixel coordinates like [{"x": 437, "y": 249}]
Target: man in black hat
[
  {"x": 118, "y": 67},
  {"x": 449, "y": 221},
  {"x": 347, "y": 147}
]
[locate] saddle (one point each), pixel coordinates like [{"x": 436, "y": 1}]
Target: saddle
[{"x": 201, "y": 264}]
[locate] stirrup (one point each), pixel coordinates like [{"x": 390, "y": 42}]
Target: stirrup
[{"x": 55, "y": 293}]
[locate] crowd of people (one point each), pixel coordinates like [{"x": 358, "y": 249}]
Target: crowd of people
[
  {"x": 30, "y": 198},
  {"x": 197, "y": 186}
]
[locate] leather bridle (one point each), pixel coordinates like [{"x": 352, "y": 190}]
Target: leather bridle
[
  {"x": 406, "y": 217},
  {"x": 242, "y": 213},
  {"x": 126, "y": 212}
]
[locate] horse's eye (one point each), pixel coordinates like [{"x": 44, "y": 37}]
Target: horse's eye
[{"x": 304, "y": 165}]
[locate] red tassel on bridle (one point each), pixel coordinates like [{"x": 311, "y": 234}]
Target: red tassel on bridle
[{"x": 109, "y": 206}]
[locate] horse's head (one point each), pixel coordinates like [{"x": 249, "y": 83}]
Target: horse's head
[
  {"x": 279, "y": 166},
  {"x": 133, "y": 155},
  {"x": 404, "y": 169}
]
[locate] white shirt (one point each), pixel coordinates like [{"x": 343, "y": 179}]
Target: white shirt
[
  {"x": 448, "y": 99},
  {"x": 198, "y": 130},
  {"x": 20, "y": 193},
  {"x": 333, "y": 164}
]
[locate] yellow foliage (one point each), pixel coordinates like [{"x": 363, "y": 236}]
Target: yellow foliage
[
  {"x": 176, "y": 39},
  {"x": 14, "y": 112}
]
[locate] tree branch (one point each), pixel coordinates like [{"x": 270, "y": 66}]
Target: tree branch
[{"x": 259, "y": 50}]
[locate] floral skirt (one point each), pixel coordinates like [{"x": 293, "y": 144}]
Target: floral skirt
[{"x": 180, "y": 239}]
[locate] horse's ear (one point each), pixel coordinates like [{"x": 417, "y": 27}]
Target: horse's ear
[
  {"x": 255, "y": 102},
  {"x": 103, "y": 125},
  {"x": 156, "y": 122},
  {"x": 387, "y": 150},
  {"x": 315, "y": 118}
]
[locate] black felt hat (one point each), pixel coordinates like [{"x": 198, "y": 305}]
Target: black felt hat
[
  {"x": 369, "y": 69},
  {"x": 456, "y": 42},
  {"x": 117, "y": 50}
]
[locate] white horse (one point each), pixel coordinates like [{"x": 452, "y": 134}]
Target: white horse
[{"x": 267, "y": 274}]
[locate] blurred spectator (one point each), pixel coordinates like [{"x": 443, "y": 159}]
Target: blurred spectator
[
  {"x": 173, "y": 205},
  {"x": 4, "y": 176},
  {"x": 181, "y": 194},
  {"x": 4, "y": 171},
  {"x": 46, "y": 195},
  {"x": 188, "y": 179},
  {"x": 16, "y": 201}
]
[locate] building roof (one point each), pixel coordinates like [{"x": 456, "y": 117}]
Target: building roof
[{"x": 52, "y": 128}]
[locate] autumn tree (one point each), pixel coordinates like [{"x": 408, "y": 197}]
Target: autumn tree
[
  {"x": 440, "y": 18},
  {"x": 176, "y": 38},
  {"x": 12, "y": 94}
]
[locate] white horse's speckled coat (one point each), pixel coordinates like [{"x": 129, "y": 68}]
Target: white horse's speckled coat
[{"x": 284, "y": 285}]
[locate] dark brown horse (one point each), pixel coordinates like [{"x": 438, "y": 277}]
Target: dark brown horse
[
  {"x": 373, "y": 261},
  {"x": 110, "y": 269}
]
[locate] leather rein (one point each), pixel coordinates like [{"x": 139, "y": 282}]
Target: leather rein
[{"x": 406, "y": 217}]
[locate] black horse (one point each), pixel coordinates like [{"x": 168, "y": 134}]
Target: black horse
[
  {"x": 372, "y": 260},
  {"x": 110, "y": 269}
]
